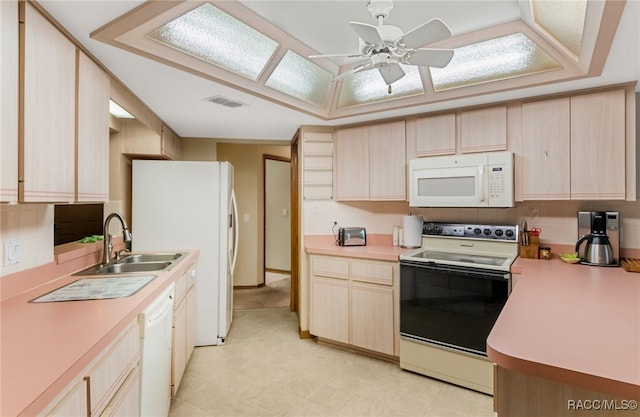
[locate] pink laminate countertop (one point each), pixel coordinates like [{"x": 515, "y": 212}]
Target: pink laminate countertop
[
  {"x": 576, "y": 324},
  {"x": 378, "y": 247},
  {"x": 44, "y": 346}
]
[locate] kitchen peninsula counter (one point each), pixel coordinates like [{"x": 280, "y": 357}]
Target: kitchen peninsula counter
[
  {"x": 46, "y": 345},
  {"x": 379, "y": 247},
  {"x": 574, "y": 324}
]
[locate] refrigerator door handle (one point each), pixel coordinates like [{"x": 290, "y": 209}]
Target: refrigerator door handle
[{"x": 235, "y": 231}]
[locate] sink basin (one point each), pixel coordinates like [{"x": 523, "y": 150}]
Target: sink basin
[
  {"x": 150, "y": 257},
  {"x": 132, "y": 267},
  {"x": 121, "y": 268}
]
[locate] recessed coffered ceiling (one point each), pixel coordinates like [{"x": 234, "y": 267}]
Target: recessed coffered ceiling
[{"x": 501, "y": 48}]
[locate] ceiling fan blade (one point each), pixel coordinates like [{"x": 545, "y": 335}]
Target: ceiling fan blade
[
  {"x": 391, "y": 73},
  {"x": 338, "y": 56},
  {"x": 368, "y": 33},
  {"x": 357, "y": 68},
  {"x": 432, "y": 31},
  {"x": 437, "y": 58}
]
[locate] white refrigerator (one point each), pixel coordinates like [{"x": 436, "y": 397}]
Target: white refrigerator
[{"x": 181, "y": 205}]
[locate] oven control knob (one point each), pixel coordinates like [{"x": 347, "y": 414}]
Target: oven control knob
[
  {"x": 487, "y": 232},
  {"x": 509, "y": 233},
  {"x": 477, "y": 231},
  {"x": 499, "y": 232}
]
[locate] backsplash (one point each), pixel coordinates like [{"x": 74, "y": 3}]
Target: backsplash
[
  {"x": 32, "y": 226},
  {"x": 557, "y": 219}
]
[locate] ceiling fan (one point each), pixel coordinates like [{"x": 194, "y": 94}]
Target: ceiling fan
[{"x": 386, "y": 47}]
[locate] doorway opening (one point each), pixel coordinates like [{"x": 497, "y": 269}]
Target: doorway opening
[{"x": 277, "y": 225}]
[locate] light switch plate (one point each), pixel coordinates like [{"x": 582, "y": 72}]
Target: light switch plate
[{"x": 12, "y": 252}]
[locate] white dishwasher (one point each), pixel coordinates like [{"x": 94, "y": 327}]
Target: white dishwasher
[{"x": 155, "y": 339}]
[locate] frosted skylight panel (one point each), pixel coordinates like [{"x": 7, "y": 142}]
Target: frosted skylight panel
[
  {"x": 300, "y": 78},
  {"x": 369, "y": 87},
  {"x": 212, "y": 35},
  {"x": 495, "y": 59},
  {"x": 564, "y": 20}
]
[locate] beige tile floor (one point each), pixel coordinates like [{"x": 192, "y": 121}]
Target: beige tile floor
[{"x": 264, "y": 369}]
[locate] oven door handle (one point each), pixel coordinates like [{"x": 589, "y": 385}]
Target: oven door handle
[{"x": 475, "y": 272}]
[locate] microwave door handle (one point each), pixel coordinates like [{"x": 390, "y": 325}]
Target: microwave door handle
[{"x": 481, "y": 182}]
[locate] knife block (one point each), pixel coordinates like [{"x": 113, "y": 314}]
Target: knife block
[{"x": 530, "y": 250}]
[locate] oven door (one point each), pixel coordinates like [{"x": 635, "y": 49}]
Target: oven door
[{"x": 451, "y": 306}]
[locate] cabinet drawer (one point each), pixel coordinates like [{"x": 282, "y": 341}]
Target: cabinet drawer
[
  {"x": 106, "y": 377},
  {"x": 330, "y": 267},
  {"x": 126, "y": 402},
  {"x": 371, "y": 271},
  {"x": 74, "y": 403}
]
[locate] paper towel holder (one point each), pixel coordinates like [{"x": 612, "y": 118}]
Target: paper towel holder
[{"x": 412, "y": 231}]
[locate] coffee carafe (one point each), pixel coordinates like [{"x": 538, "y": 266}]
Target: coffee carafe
[{"x": 597, "y": 250}]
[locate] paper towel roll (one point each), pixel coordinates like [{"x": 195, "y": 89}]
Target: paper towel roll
[{"x": 412, "y": 231}]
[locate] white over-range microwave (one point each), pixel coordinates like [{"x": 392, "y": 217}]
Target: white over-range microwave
[{"x": 472, "y": 180}]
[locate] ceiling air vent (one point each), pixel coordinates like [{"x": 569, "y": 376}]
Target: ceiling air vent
[{"x": 224, "y": 101}]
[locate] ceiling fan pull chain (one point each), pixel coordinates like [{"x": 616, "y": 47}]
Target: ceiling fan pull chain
[{"x": 389, "y": 89}]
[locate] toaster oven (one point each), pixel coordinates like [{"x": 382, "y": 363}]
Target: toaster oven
[{"x": 352, "y": 236}]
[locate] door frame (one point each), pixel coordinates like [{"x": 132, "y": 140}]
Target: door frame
[{"x": 265, "y": 158}]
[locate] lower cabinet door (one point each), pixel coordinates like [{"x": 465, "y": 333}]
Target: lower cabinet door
[
  {"x": 330, "y": 309},
  {"x": 372, "y": 317},
  {"x": 179, "y": 351}
]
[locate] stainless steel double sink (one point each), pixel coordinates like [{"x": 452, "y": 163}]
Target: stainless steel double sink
[{"x": 141, "y": 262}]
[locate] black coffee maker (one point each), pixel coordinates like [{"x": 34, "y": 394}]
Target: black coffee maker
[{"x": 598, "y": 249}]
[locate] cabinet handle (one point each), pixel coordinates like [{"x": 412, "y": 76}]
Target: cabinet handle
[{"x": 546, "y": 154}]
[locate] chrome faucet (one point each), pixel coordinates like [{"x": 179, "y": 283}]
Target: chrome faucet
[{"x": 108, "y": 246}]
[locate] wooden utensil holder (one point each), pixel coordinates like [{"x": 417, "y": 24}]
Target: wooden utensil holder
[{"x": 530, "y": 250}]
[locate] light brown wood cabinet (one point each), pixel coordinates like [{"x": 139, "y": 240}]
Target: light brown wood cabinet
[
  {"x": 574, "y": 148},
  {"x": 112, "y": 371},
  {"x": 598, "y": 146},
  {"x": 483, "y": 130},
  {"x": 183, "y": 326},
  {"x": 65, "y": 118},
  {"x": 171, "y": 145},
  {"x": 436, "y": 135},
  {"x": 370, "y": 163},
  {"x": 109, "y": 386},
  {"x": 141, "y": 141},
  {"x": 546, "y": 151},
  {"x": 72, "y": 403},
  {"x": 47, "y": 143},
  {"x": 93, "y": 131},
  {"x": 354, "y": 301},
  {"x": 8, "y": 101}
]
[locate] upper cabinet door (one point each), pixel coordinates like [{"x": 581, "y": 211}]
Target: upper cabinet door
[
  {"x": 352, "y": 164},
  {"x": 93, "y": 131},
  {"x": 483, "y": 130},
  {"x": 9, "y": 102},
  {"x": 598, "y": 146},
  {"x": 387, "y": 162},
  {"x": 436, "y": 135},
  {"x": 546, "y": 157},
  {"x": 47, "y": 168}
]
